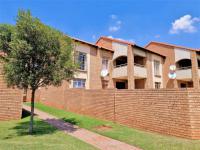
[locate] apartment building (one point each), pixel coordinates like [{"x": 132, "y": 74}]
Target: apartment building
[
  {"x": 91, "y": 59},
  {"x": 125, "y": 65},
  {"x": 132, "y": 66},
  {"x": 113, "y": 63},
  {"x": 186, "y": 60}
]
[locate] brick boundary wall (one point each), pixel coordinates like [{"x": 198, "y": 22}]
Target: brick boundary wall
[
  {"x": 10, "y": 101},
  {"x": 10, "y": 104},
  {"x": 167, "y": 111}
]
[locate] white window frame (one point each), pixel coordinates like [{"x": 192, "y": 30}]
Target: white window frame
[
  {"x": 79, "y": 83},
  {"x": 157, "y": 68},
  {"x": 81, "y": 59},
  {"x": 105, "y": 64}
]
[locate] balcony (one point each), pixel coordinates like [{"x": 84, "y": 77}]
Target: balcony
[
  {"x": 184, "y": 73},
  {"x": 140, "y": 71},
  {"x": 120, "y": 71}
]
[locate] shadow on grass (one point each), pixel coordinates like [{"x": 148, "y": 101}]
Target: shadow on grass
[
  {"x": 42, "y": 127},
  {"x": 71, "y": 120},
  {"x": 22, "y": 128}
]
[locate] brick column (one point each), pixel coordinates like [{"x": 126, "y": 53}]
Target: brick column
[
  {"x": 111, "y": 83},
  {"x": 195, "y": 74},
  {"x": 175, "y": 83},
  {"x": 149, "y": 79},
  {"x": 130, "y": 67}
]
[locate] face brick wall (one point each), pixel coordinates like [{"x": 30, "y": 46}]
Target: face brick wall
[
  {"x": 163, "y": 111},
  {"x": 166, "y": 111},
  {"x": 10, "y": 101},
  {"x": 194, "y": 105}
]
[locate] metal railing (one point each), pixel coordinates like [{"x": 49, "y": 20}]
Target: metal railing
[
  {"x": 139, "y": 65},
  {"x": 121, "y": 65},
  {"x": 135, "y": 64},
  {"x": 184, "y": 68}
]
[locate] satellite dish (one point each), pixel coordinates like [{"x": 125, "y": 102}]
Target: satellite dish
[
  {"x": 172, "y": 75},
  {"x": 172, "y": 67},
  {"x": 104, "y": 73},
  {"x": 172, "y": 72}
]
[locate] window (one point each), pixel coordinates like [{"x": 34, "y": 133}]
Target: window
[
  {"x": 104, "y": 64},
  {"x": 79, "y": 83},
  {"x": 157, "y": 85},
  {"x": 81, "y": 59},
  {"x": 156, "y": 68}
]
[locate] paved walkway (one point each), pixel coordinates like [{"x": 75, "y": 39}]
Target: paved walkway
[{"x": 98, "y": 141}]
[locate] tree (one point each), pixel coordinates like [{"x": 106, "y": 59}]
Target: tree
[{"x": 36, "y": 55}]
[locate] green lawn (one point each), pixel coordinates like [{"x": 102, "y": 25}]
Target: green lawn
[
  {"x": 144, "y": 140},
  {"x": 14, "y": 136}
]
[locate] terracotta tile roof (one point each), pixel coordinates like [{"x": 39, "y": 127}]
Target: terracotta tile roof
[
  {"x": 171, "y": 45},
  {"x": 128, "y": 43},
  {"x": 91, "y": 44}
]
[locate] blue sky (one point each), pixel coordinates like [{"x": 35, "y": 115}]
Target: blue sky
[{"x": 140, "y": 21}]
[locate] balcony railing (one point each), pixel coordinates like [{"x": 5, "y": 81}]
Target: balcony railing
[
  {"x": 135, "y": 64},
  {"x": 121, "y": 70},
  {"x": 140, "y": 71},
  {"x": 121, "y": 65},
  {"x": 139, "y": 65},
  {"x": 184, "y": 73},
  {"x": 184, "y": 68}
]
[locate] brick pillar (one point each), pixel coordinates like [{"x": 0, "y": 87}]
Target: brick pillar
[
  {"x": 130, "y": 67},
  {"x": 111, "y": 82},
  {"x": 149, "y": 79},
  {"x": 98, "y": 68},
  {"x": 195, "y": 74},
  {"x": 175, "y": 83}
]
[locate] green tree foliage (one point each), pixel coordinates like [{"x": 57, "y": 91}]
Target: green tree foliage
[{"x": 36, "y": 55}]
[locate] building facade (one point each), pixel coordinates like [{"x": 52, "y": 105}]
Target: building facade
[
  {"x": 112, "y": 63},
  {"x": 186, "y": 60},
  {"x": 91, "y": 59}
]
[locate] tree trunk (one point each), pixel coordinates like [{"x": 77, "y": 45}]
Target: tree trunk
[{"x": 32, "y": 111}]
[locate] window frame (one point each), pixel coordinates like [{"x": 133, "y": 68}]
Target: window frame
[
  {"x": 82, "y": 63},
  {"x": 79, "y": 83},
  {"x": 107, "y": 63},
  {"x": 157, "y": 85},
  {"x": 157, "y": 72}
]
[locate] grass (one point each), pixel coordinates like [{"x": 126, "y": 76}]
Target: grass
[
  {"x": 14, "y": 136},
  {"x": 141, "y": 139}
]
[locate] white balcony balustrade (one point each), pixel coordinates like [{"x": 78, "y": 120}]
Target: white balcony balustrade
[
  {"x": 184, "y": 73},
  {"x": 140, "y": 71}
]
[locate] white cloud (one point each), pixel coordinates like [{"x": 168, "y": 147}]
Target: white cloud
[
  {"x": 114, "y": 28},
  {"x": 113, "y": 16},
  {"x": 115, "y": 23},
  {"x": 157, "y": 36},
  {"x": 184, "y": 24},
  {"x": 119, "y": 22},
  {"x": 94, "y": 37}
]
